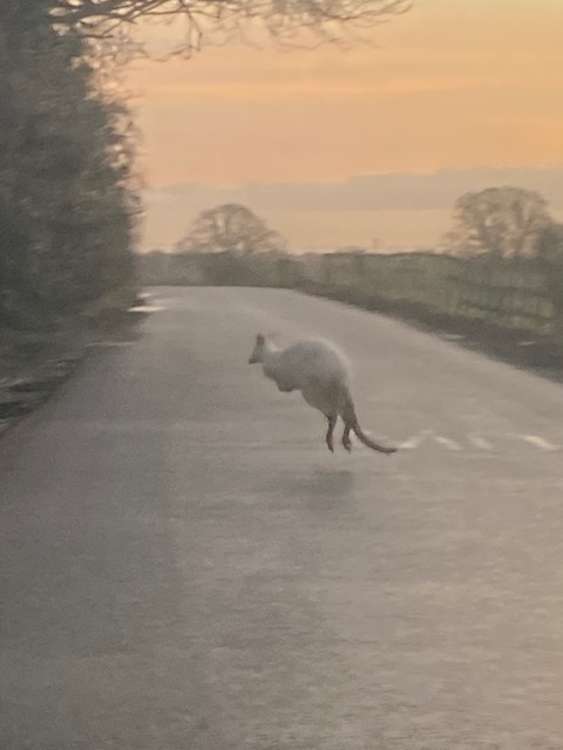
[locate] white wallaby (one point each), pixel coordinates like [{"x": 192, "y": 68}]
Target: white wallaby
[{"x": 320, "y": 372}]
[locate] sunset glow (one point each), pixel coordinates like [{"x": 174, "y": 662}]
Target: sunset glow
[{"x": 453, "y": 85}]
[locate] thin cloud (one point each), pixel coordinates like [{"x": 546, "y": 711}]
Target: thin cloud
[{"x": 377, "y": 192}]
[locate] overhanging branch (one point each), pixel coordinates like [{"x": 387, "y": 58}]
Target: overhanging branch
[{"x": 328, "y": 20}]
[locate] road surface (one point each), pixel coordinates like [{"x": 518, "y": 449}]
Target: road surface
[{"x": 183, "y": 564}]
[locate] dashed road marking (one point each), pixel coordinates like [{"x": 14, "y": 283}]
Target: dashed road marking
[
  {"x": 476, "y": 441},
  {"x": 148, "y": 308},
  {"x": 413, "y": 442},
  {"x": 480, "y": 442},
  {"x": 539, "y": 442},
  {"x": 447, "y": 443}
]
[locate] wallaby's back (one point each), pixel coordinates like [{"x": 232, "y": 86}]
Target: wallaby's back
[{"x": 318, "y": 361}]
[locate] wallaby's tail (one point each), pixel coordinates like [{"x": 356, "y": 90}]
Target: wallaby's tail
[
  {"x": 350, "y": 419},
  {"x": 371, "y": 443}
]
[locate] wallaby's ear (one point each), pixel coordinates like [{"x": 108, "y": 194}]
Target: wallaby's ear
[{"x": 260, "y": 339}]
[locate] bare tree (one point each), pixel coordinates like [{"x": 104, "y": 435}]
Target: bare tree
[
  {"x": 282, "y": 19},
  {"x": 230, "y": 228},
  {"x": 503, "y": 222}
]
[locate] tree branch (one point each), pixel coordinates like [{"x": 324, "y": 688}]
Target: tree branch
[{"x": 283, "y": 20}]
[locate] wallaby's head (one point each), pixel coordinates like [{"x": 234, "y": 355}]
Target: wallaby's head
[{"x": 258, "y": 352}]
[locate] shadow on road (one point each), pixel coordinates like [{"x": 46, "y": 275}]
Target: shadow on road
[{"x": 323, "y": 489}]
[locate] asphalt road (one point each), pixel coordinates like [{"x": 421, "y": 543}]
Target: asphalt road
[{"x": 183, "y": 564}]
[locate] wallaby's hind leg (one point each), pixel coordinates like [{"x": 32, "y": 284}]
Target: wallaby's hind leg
[
  {"x": 329, "y": 435},
  {"x": 346, "y": 442}
]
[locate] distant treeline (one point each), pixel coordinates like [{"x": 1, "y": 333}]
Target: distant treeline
[
  {"x": 66, "y": 201},
  {"x": 522, "y": 293}
]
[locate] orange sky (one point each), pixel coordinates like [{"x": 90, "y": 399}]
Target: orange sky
[{"x": 454, "y": 84}]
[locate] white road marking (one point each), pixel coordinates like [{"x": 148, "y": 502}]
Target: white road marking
[
  {"x": 415, "y": 441},
  {"x": 146, "y": 308},
  {"x": 410, "y": 444},
  {"x": 480, "y": 442},
  {"x": 476, "y": 441},
  {"x": 447, "y": 443},
  {"x": 539, "y": 442}
]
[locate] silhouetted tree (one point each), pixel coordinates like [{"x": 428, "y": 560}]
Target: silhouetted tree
[
  {"x": 230, "y": 228},
  {"x": 501, "y": 222}
]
